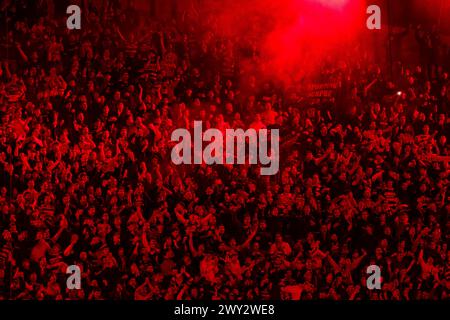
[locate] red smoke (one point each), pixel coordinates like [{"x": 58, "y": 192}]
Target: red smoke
[
  {"x": 309, "y": 30},
  {"x": 295, "y": 35},
  {"x": 335, "y": 4}
]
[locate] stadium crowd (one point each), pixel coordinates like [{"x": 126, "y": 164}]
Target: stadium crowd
[{"x": 86, "y": 176}]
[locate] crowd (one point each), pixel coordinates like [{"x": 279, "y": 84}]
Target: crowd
[{"x": 86, "y": 176}]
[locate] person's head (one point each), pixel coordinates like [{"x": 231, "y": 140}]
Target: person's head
[
  {"x": 278, "y": 238},
  {"x": 6, "y": 234}
]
